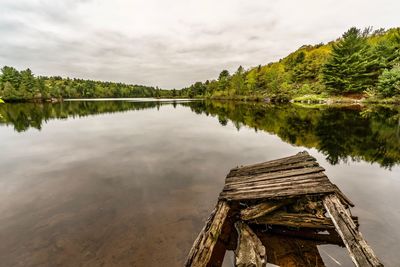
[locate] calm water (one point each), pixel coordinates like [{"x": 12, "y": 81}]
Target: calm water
[{"x": 122, "y": 183}]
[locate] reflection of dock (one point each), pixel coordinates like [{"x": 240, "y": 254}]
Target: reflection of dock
[{"x": 267, "y": 211}]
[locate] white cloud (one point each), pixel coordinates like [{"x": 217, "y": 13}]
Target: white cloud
[{"x": 171, "y": 43}]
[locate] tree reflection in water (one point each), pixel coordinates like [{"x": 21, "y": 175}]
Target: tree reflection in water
[{"x": 370, "y": 133}]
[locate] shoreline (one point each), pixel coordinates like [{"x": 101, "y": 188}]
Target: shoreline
[{"x": 306, "y": 99}]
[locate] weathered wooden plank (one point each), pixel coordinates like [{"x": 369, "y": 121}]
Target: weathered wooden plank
[
  {"x": 302, "y": 155},
  {"x": 200, "y": 253},
  {"x": 271, "y": 167},
  {"x": 303, "y": 164},
  {"x": 287, "y": 184},
  {"x": 279, "y": 187},
  {"x": 261, "y": 209},
  {"x": 273, "y": 176},
  {"x": 361, "y": 254},
  {"x": 299, "y": 220},
  {"x": 250, "y": 251},
  {"x": 278, "y": 162},
  {"x": 345, "y": 200},
  {"x": 289, "y": 193},
  {"x": 279, "y": 182}
]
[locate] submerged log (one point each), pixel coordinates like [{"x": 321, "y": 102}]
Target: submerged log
[
  {"x": 250, "y": 252},
  {"x": 361, "y": 254},
  {"x": 203, "y": 248},
  {"x": 298, "y": 220}
]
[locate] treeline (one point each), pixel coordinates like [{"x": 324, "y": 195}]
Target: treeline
[
  {"x": 24, "y": 85},
  {"x": 361, "y": 62}
]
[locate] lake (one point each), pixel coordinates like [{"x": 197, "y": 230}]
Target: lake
[{"x": 131, "y": 182}]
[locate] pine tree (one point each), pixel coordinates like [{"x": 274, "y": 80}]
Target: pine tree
[
  {"x": 352, "y": 66},
  {"x": 237, "y": 82}
]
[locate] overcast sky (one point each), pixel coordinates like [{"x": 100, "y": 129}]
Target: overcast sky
[{"x": 171, "y": 43}]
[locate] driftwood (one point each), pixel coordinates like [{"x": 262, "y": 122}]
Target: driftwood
[
  {"x": 361, "y": 254},
  {"x": 250, "y": 252}
]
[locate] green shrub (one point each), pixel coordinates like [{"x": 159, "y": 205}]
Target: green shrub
[{"x": 389, "y": 82}]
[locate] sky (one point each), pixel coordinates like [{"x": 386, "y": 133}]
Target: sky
[{"x": 174, "y": 43}]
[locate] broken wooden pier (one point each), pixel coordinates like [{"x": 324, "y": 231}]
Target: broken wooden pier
[{"x": 289, "y": 197}]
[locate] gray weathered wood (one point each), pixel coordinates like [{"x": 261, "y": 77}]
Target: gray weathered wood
[
  {"x": 267, "y": 177},
  {"x": 200, "y": 253},
  {"x": 278, "y": 194},
  {"x": 299, "y": 165},
  {"x": 261, "y": 209},
  {"x": 313, "y": 177},
  {"x": 290, "y": 192},
  {"x": 344, "y": 199},
  {"x": 250, "y": 252},
  {"x": 265, "y": 166},
  {"x": 361, "y": 254},
  {"x": 300, "y": 220},
  {"x": 296, "y": 189}
]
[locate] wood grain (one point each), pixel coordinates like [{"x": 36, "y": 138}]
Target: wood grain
[{"x": 360, "y": 252}]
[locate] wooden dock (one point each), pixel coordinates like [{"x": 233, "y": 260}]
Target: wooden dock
[{"x": 288, "y": 198}]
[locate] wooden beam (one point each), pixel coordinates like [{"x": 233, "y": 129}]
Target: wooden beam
[
  {"x": 299, "y": 220},
  {"x": 250, "y": 251},
  {"x": 273, "y": 193},
  {"x": 261, "y": 209},
  {"x": 286, "y": 181},
  {"x": 284, "y": 167},
  {"x": 267, "y": 177},
  {"x": 343, "y": 198},
  {"x": 203, "y": 248},
  {"x": 361, "y": 254},
  {"x": 266, "y": 166}
]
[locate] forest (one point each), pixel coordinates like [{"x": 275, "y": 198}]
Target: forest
[
  {"x": 23, "y": 85},
  {"x": 361, "y": 62}
]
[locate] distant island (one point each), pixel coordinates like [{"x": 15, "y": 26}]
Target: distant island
[{"x": 362, "y": 64}]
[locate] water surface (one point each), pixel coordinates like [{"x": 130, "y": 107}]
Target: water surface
[{"x": 127, "y": 183}]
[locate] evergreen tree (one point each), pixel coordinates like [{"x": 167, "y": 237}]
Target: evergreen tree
[
  {"x": 237, "y": 82},
  {"x": 27, "y": 84},
  {"x": 389, "y": 82},
  {"x": 223, "y": 80},
  {"x": 352, "y": 66},
  {"x": 10, "y": 74}
]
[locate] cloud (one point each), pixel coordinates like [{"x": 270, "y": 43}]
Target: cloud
[{"x": 170, "y": 43}]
